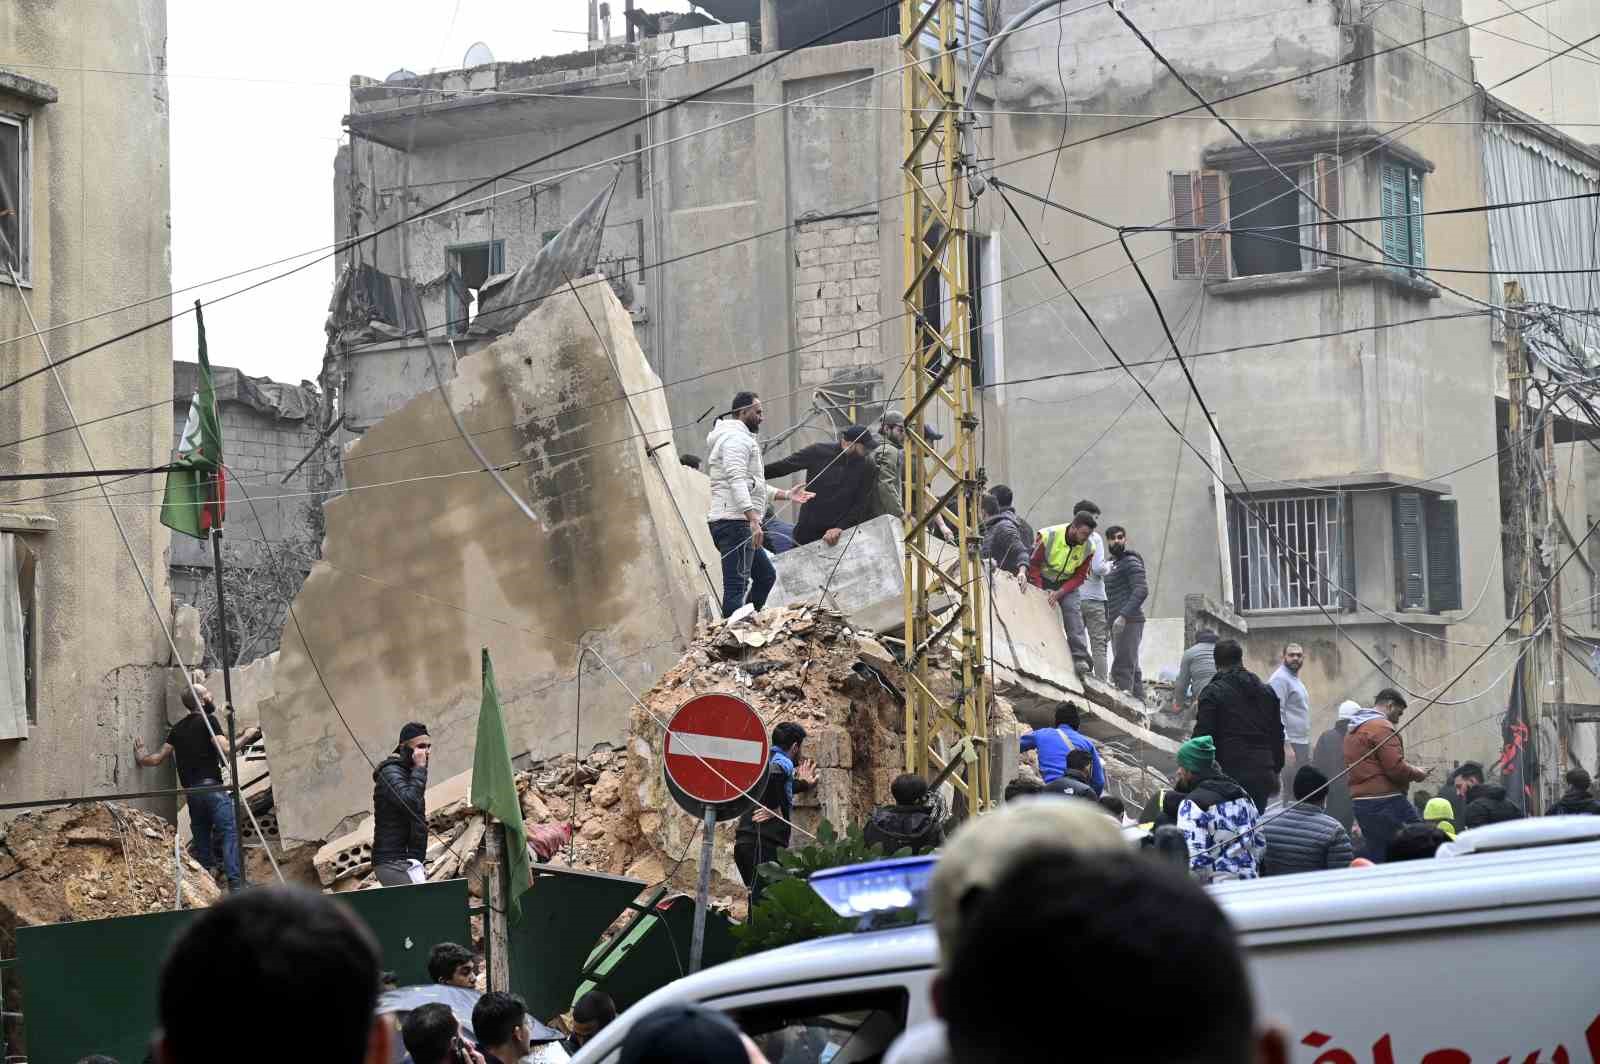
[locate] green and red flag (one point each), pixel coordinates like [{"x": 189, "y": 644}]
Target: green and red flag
[
  {"x": 194, "y": 500},
  {"x": 494, "y": 789}
]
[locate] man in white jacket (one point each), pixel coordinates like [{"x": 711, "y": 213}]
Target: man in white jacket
[{"x": 738, "y": 502}]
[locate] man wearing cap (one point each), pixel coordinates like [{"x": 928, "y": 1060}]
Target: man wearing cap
[
  {"x": 1328, "y": 757},
  {"x": 399, "y": 809},
  {"x": 1217, "y": 817},
  {"x": 842, "y": 480},
  {"x": 1379, "y": 775},
  {"x": 889, "y": 459}
]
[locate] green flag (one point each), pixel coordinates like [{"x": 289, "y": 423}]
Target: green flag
[
  {"x": 193, "y": 503},
  {"x": 494, "y": 788}
]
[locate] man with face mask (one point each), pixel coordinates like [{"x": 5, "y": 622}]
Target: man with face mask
[{"x": 399, "y": 809}]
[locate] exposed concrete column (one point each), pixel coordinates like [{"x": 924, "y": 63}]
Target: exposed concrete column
[{"x": 769, "y": 25}]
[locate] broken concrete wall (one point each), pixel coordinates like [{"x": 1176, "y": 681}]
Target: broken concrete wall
[{"x": 426, "y": 561}]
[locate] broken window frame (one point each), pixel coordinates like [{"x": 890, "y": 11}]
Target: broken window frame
[
  {"x": 458, "y": 296},
  {"x": 23, "y": 251},
  {"x": 1204, "y": 198}
]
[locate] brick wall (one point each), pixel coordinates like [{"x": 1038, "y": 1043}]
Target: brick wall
[
  {"x": 727, "y": 41},
  {"x": 838, "y": 274}
]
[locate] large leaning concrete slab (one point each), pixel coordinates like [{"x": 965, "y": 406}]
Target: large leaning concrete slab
[{"x": 426, "y": 561}]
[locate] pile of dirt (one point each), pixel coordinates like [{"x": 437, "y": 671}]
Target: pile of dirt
[{"x": 88, "y": 862}]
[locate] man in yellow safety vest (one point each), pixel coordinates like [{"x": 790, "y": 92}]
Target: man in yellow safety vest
[{"x": 1060, "y": 564}]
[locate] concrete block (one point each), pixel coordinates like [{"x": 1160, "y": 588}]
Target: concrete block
[
  {"x": 869, "y": 268},
  {"x": 810, "y": 360},
  {"x": 832, "y": 290},
  {"x": 839, "y": 359},
  {"x": 699, "y": 53},
  {"x": 810, "y": 308},
  {"x": 869, "y": 338},
  {"x": 835, "y": 254},
  {"x": 866, "y": 234},
  {"x": 867, "y": 586},
  {"x": 839, "y": 306},
  {"x": 839, "y": 237},
  {"x": 810, "y": 275},
  {"x": 809, "y": 377},
  {"x": 866, "y": 286},
  {"x": 868, "y": 320},
  {"x": 807, "y": 241},
  {"x": 810, "y": 326},
  {"x": 741, "y": 31},
  {"x": 864, "y": 251},
  {"x": 686, "y": 38},
  {"x": 732, "y": 49},
  {"x": 840, "y": 271},
  {"x": 809, "y": 257},
  {"x": 715, "y": 33}
]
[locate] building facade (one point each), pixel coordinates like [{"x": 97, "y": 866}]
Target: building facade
[
  {"x": 83, "y": 166},
  {"x": 1355, "y": 371}
]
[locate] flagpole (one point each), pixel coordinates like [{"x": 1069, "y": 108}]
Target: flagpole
[{"x": 227, "y": 696}]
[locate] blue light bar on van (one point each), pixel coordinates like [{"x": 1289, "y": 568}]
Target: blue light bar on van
[{"x": 876, "y": 886}]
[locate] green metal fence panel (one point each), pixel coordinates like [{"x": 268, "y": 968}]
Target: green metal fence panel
[
  {"x": 90, "y": 987},
  {"x": 563, "y": 916},
  {"x": 659, "y": 952}
]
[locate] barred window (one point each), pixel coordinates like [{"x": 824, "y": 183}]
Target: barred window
[{"x": 1288, "y": 551}]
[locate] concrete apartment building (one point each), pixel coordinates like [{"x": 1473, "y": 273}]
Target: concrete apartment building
[
  {"x": 759, "y": 247},
  {"x": 83, "y": 165}
]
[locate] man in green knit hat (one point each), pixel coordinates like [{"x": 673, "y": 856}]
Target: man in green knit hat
[{"x": 1215, "y": 814}]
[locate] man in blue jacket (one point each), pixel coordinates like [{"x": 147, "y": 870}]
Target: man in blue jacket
[{"x": 1054, "y": 743}]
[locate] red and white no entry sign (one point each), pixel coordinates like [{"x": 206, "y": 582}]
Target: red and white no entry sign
[{"x": 716, "y": 748}]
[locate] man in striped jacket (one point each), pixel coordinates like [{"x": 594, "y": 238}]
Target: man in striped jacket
[{"x": 1303, "y": 838}]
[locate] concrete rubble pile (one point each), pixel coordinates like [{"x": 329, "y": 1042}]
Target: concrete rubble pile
[{"x": 92, "y": 861}]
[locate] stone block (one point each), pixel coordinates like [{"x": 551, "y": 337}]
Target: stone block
[
  {"x": 685, "y": 38},
  {"x": 699, "y": 53},
  {"x": 840, "y": 271},
  {"x": 869, "y": 268},
  {"x": 715, "y": 33},
  {"x": 845, "y": 307},
  {"x": 809, "y": 257},
  {"x": 810, "y": 326},
  {"x": 839, "y": 237},
  {"x": 810, "y": 308},
  {"x": 810, "y": 360},
  {"x": 732, "y": 49},
  {"x": 832, "y": 290},
  {"x": 809, "y": 377},
  {"x": 839, "y": 359},
  {"x": 866, "y": 286},
  {"x": 810, "y": 275},
  {"x": 868, "y": 320},
  {"x": 807, "y": 241},
  {"x": 835, "y": 254},
  {"x": 830, "y": 748},
  {"x": 864, "y": 251},
  {"x": 866, "y": 234},
  {"x": 869, "y": 338}
]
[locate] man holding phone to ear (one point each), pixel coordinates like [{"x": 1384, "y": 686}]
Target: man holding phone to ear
[{"x": 399, "y": 809}]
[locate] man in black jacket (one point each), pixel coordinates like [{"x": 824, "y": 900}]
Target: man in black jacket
[
  {"x": 1487, "y": 804},
  {"x": 1240, "y": 713},
  {"x": 399, "y": 809},
  {"x": 1579, "y": 799},
  {"x": 1002, "y": 538},
  {"x": 1075, "y": 782},
  {"x": 1126, "y": 590},
  {"x": 907, "y": 822},
  {"x": 842, "y": 480}
]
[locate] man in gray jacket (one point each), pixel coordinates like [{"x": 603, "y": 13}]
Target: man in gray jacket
[
  {"x": 1303, "y": 838},
  {"x": 1195, "y": 670},
  {"x": 738, "y": 502}
]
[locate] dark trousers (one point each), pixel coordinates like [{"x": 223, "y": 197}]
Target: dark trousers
[
  {"x": 1257, "y": 782},
  {"x": 749, "y": 854},
  {"x": 1302, "y": 756},
  {"x": 1125, "y": 674},
  {"x": 1380, "y": 819},
  {"x": 216, "y": 834},
  {"x": 745, "y": 567}
]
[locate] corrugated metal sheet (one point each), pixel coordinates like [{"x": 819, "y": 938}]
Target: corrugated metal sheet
[{"x": 1520, "y": 166}]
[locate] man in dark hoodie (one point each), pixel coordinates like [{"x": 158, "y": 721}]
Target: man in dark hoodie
[
  {"x": 1487, "y": 804},
  {"x": 842, "y": 480},
  {"x": 1002, "y": 537},
  {"x": 399, "y": 809},
  {"x": 1579, "y": 798},
  {"x": 908, "y": 821},
  {"x": 764, "y": 828},
  {"x": 1126, "y": 590},
  {"x": 1240, "y": 713}
]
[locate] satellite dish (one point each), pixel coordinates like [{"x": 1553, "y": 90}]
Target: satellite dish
[
  {"x": 399, "y": 75},
  {"x": 478, "y": 55}
]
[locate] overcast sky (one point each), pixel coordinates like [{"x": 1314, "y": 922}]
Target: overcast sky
[{"x": 258, "y": 92}]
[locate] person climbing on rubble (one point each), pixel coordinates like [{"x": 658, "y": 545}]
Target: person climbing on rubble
[
  {"x": 1074, "y": 783},
  {"x": 841, "y": 481},
  {"x": 399, "y": 809},
  {"x": 908, "y": 822},
  {"x": 739, "y": 498},
  {"x": 1217, "y": 817},
  {"x": 764, "y": 828},
  {"x": 1002, "y": 538},
  {"x": 1060, "y": 563},
  {"x": 1055, "y": 743},
  {"x": 1126, "y": 590},
  {"x": 199, "y": 747},
  {"x": 1195, "y": 669}
]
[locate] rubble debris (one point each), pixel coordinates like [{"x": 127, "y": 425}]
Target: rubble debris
[{"x": 89, "y": 862}]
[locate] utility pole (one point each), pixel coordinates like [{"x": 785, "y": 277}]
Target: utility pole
[
  {"x": 1558, "y": 634},
  {"x": 1521, "y": 454}
]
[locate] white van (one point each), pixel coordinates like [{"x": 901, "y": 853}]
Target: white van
[{"x": 1485, "y": 953}]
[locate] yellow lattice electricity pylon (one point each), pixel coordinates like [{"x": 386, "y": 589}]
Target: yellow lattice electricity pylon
[{"x": 942, "y": 481}]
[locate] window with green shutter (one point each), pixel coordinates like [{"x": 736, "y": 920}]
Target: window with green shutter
[
  {"x": 1400, "y": 203},
  {"x": 1427, "y": 553}
]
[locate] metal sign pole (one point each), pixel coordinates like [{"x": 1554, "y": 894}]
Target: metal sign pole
[
  {"x": 225, "y": 653},
  {"x": 702, "y": 891}
]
